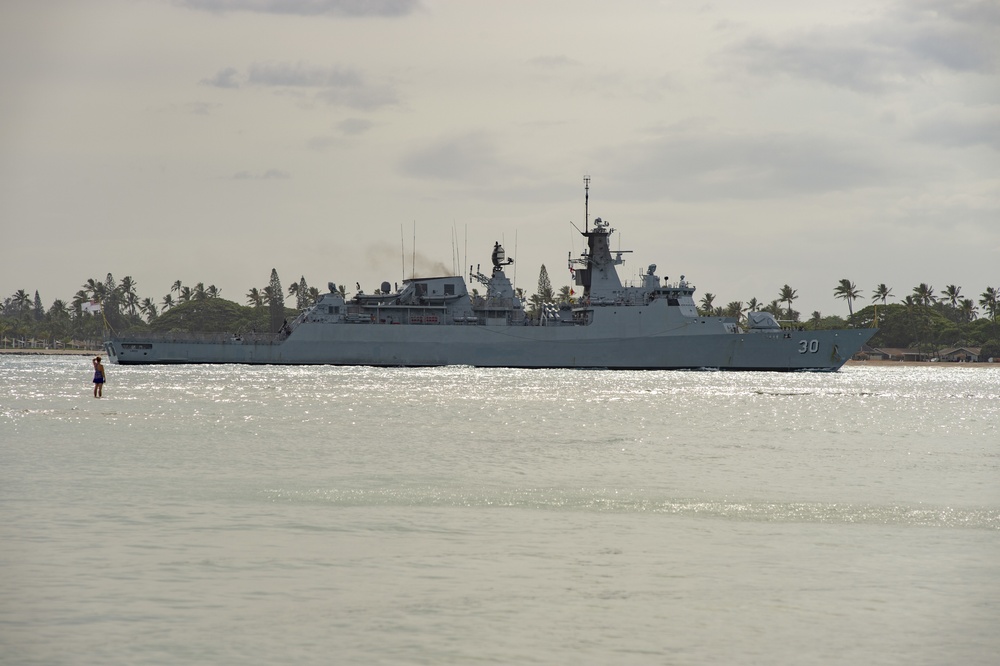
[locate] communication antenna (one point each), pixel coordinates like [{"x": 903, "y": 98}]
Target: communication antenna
[
  {"x": 514, "y": 285},
  {"x": 586, "y": 204}
]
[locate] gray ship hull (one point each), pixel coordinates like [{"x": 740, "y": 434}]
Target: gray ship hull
[{"x": 505, "y": 346}]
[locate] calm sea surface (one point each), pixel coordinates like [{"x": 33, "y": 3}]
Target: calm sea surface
[{"x": 234, "y": 514}]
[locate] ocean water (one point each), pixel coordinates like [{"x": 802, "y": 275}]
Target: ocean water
[{"x": 235, "y": 514}]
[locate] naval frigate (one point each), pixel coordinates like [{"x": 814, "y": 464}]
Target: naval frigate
[{"x": 435, "y": 321}]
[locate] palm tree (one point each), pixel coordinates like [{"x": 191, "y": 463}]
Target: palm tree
[
  {"x": 167, "y": 303},
  {"x": 564, "y": 296},
  {"x": 21, "y": 301},
  {"x": 787, "y": 295},
  {"x": 92, "y": 287},
  {"x": 953, "y": 294},
  {"x": 989, "y": 302},
  {"x": 100, "y": 294},
  {"x": 148, "y": 308},
  {"x": 706, "y": 303},
  {"x": 848, "y": 291},
  {"x": 881, "y": 293},
  {"x": 753, "y": 305},
  {"x": 314, "y": 295},
  {"x": 198, "y": 293},
  {"x": 78, "y": 300},
  {"x": 255, "y": 297},
  {"x": 184, "y": 295},
  {"x": 967, "y": 308},
  {"x": 176, "y": 287},
  {"x": 127, "y": 290},
  {"x": 967, "y": 313},
  {"x": 816, "y": 318},
  {"x": 57, "y": 319},
  {"x": 924, "y": 294},
  {"x": 734, "y": 309},
  {"x": 212, "y": 291},
  {"x": 774, "y": 307},
  {"x": 59, "y": 309},
  {"x": 300, "y": 290}
]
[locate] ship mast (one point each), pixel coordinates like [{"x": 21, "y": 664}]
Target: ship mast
[{"x": 586, "y": 204}]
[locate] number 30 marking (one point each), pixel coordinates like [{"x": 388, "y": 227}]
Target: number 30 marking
[{"x": 811, "y": 346}]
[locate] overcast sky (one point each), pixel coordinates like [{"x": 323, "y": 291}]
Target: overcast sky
[{"x": 743, "y": 144}]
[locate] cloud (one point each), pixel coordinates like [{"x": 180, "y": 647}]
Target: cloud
[
  {"x": 841, "y": 60},
  {"x": 553, "y": 62},
  {"x": 716, "y": 167},
  {"x": 961, "y": 128},
  {"x": 322, "y": 143},
  {"x": 354, "y": 126},
  {"x": 334, "y": 85},
  {"x": 201, "y": 108},
  {"x": 349, "y": 127},
  {"x": 471, "y": 157},
  {"x": 895, "y": 49},
  {"x": 359, "y": 97},
  {"x": 224, "y": 78},
  {"x": 270, "y": 174},
  {"x": 283, "y": 74},
  {"x": 348, "y": 8}
]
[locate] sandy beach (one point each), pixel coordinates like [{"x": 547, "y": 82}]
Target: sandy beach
[
  {"x": 897, "y": 364},
  {"x": 920, "y": 364},
  {"x": 57, "y": 352}
]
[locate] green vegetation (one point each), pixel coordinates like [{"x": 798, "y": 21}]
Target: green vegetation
[
  {"x": 276, "y": 301},
  {"x": 103, "y": 305},
  {"x": 544, "y": 295},
  {"x": 215, "y": 315},
  {"x": 922, "y": 321},
  {"x": 848, "y": 291}
]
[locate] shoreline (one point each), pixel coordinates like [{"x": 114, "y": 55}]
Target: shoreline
[
  {"x": 853, "y": 363},
  {"x": 920, "y": 364},
  {"x": 56, "y": 352}
]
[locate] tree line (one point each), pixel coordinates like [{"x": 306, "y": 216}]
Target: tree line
[
  {"x": 110, "y": 304},
  {"x": 923, "y": 319}
]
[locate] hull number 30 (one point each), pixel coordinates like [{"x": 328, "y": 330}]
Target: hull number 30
[{"x": 811, "y": 346}]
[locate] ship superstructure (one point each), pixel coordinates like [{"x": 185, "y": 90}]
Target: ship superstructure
[{"x": 435, "y": 321}]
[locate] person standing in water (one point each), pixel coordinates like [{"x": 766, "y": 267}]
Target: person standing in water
[{"x": 98, "y": 378}]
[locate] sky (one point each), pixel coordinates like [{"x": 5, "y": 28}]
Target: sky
[{"x": 743, "y": 145}]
